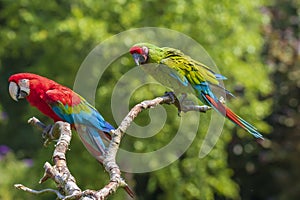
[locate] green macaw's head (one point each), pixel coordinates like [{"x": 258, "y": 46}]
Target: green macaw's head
[{"x": 145, "y": 53}]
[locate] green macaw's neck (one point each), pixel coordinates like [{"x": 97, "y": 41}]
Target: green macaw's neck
[{"x": 156, "y": 54}]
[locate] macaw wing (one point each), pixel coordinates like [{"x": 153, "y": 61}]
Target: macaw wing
[
  {"x": 194, "y": 71},
  {"x": 168, "y": 77},
  {"x": 74, "y": 109},
  {"x": 173, "y": 71},
  {"x": 91, "y": 127}
]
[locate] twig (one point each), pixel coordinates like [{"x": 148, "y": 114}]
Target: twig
[{"x": 26, "y": 189}]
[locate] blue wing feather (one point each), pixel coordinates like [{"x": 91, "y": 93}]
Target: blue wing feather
[
  {"x": 220, "y": 77},
  {"x": 183, "y": 81},
  {"x": 88, "y": 122}
]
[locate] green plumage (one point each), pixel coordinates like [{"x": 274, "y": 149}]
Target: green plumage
[
  {"x": 194, "y": 71},
  {"x": 186, "y": 72}
]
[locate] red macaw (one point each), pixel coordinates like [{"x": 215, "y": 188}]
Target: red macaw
[{"x": 62, "y": 104}]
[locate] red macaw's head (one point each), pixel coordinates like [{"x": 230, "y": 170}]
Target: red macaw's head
[
  {"x": 140, "y": 53},
  {"x": 33, "y": 87},
  {"x": 19, "y": 86}
]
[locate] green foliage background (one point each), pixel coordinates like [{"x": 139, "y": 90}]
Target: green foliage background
[{"x": 246, "y": 39}]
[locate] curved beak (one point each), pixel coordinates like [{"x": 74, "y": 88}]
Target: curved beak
[
  {"x": 138, "y": 58},
  {"x": 14, "y": 90}
]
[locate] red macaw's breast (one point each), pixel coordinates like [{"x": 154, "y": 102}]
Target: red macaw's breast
[
  {"x": 43, "y": 107},
  {"x": 35, "y": 98}
]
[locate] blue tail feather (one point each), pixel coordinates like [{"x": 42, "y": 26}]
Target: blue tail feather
[{"x": 92, "y": 141}]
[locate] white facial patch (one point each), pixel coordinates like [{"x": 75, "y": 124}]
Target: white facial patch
[{"x": 24, "y": 86}]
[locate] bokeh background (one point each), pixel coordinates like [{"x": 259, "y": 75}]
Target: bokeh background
[{"x": 255, "y": 44}]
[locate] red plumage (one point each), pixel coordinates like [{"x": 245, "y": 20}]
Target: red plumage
[
  {"x": 44, "y": 93},
  {"x": 40, "y": 91},
  {"x": 226, "y": 112},
  {"x": 136, "y": 49}
]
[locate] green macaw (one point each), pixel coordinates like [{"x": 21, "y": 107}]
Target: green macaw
[{"x": 188, "y": 72}]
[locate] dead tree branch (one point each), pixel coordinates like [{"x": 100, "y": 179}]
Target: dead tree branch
[{"x": 59, "y": 172}]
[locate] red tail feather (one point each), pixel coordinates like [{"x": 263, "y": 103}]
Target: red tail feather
[
  {"x": 225, "y": 111},
  {"x": 233, "y": 117}
]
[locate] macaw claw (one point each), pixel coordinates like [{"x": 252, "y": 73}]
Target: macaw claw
[{"x": 174, "y": 101}]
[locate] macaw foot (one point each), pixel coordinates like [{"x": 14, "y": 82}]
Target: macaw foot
[
  {"x": 182, "y": 97},
  {"x": 46, "y": 131},
  {"x": 172, "y": 97},
  {"x": 174, "y": 101},
  {"x": 184, "y": 105},
  {"x": 185, "y": 101},
  {"x": 47, "y": 134},
  {"x": 51, "y": 132},
  {"x": 182, "y": 102}
]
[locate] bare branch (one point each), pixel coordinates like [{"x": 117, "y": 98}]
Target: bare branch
[
  {"x": 187, "y": 108},
  {"x": 109, "y": 161},
  {"x": 59, "y": 172}
]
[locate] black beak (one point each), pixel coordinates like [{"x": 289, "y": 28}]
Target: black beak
[{"x": 138, "y": 58}]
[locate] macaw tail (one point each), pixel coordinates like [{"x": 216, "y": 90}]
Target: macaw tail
[
  {"x": 92, "y": 140},
  {"x": 210, "y": 99}
]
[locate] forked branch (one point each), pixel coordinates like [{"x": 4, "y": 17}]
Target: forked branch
[{"x": 59, "y": 172}]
